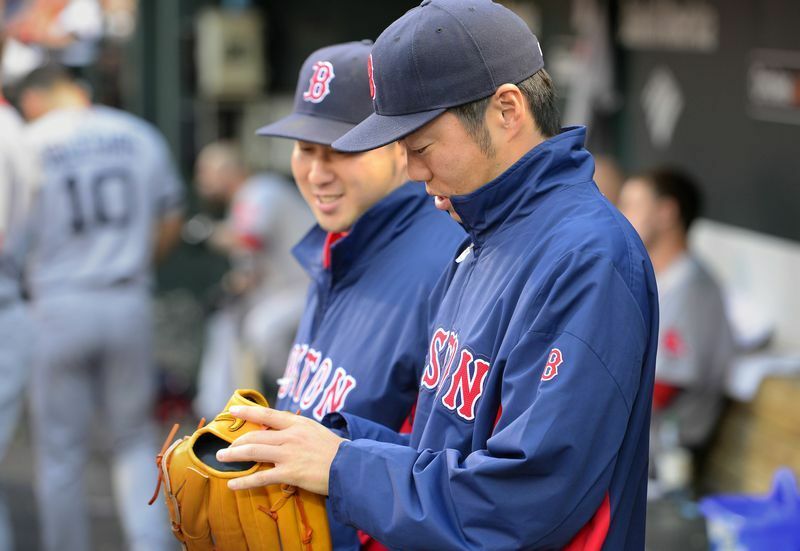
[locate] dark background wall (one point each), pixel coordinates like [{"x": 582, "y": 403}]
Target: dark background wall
[{"x": 749, "y": 168}]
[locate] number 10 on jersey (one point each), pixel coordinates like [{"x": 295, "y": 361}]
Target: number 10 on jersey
[{"x": 103, "y": 199}]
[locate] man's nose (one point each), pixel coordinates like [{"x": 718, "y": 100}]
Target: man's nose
[
  {"x": 417, "y": 170},
  {"x": 320, "y": 173}
]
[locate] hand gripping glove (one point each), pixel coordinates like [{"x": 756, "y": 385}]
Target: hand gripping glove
[{"x": 207, "y": 516}]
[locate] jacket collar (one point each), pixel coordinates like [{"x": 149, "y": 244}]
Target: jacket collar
[
  {"x": 370, "y": 234},
  {"x": 557, "y": 162}
]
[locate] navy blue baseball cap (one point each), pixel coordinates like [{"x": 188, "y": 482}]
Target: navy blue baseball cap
[
  {"x": 441, "y": 54},
  {"x": 332, "y": 95}
]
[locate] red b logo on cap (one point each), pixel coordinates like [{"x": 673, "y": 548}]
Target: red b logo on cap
[
  {"x": 319, "y": 85},
  {"x": 371, "y": 77}
]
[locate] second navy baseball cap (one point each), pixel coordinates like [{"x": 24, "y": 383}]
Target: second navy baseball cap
[
  {"x": 332, "y": 95},
  {"x": 441, "y": 54}
]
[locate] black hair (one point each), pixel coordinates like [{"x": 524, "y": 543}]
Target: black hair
[
  {"x": 45, "y": 77},
  {"x": 676, "y": 184},
  {"x": 540, "y": 94}
]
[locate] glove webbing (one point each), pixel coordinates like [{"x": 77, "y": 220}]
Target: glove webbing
[
  {"x": 160, "y": 458},
  {"x": 288, "y": 493}
]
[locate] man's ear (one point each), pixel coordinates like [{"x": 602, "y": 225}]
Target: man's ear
[
  {"x": 32, "y": 104},
  {"x": 510, "y": 105},
  {"x": 400, "y": 154}
]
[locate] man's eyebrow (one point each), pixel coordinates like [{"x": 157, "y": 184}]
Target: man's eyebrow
[{"x": 416, "y": 141}]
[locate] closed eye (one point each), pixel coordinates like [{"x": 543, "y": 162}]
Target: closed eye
[{"x": 420, "y": 151}]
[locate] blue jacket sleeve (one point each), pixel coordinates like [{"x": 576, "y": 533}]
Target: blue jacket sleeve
[
  {"x": 354, "y": 427},
  {"x": 546, "y": 468}
]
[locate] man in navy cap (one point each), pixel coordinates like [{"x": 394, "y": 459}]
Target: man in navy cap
[
  {"x": 374, "y": 257},
  {"x": 531, "y": 427}
]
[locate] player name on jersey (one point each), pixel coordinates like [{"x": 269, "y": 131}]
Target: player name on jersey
[
  {"x": 311, "y": 381},
  {"x": 99, "y": 144},
  {"x": 466, "y": 381}
]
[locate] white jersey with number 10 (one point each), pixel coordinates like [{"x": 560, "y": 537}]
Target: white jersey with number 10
[{"x": 107, "y": 177}]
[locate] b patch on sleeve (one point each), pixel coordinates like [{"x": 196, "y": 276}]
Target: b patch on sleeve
[{"x": 554, "y": 360}]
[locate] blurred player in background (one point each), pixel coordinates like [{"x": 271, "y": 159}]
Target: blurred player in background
[
  {"x": 110, "y": 202},
  {"x": 377, "y": 250},
  {"x": 67, "y": 31},
  {"x": 265, "y": 289},
  {"x": 16, "y": 334},
  {"x": 696, "y": 343}
]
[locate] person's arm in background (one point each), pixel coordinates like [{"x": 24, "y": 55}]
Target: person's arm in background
[
  {"x": 253, "y": 220},
  {"x": 664, "y": 394},
  {"x": 694, "y": 331},
  {"x": 20, "y": 178},
  {"x": 168, "y": 194},
  {"x": 167, "y": 235}
]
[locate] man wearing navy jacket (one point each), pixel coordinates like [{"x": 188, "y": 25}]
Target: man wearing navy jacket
[
  {"x": 531, "y": 428},
  {"x": 374, "y": 257}
]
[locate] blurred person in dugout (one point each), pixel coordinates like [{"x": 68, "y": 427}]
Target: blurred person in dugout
[
  {"x": 65, "y": 31},
  {"x": 109, "y": 203},
  {"x": 249, "y": 336},
  {"x": 17, "y": 188},
  {"x": 696, "y": 343}
]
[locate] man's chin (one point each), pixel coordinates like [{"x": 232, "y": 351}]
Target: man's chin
[
  {"x": 333, "y": 226},
  {"x": 442, "y": 203}
]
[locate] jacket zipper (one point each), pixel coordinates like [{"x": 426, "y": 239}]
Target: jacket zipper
[{"x": 323, "y": 297}]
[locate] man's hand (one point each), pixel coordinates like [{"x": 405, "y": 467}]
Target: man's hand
[{"x": 301, "y": 449}]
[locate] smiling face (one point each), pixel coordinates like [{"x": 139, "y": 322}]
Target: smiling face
[
  {"x": 450, "y": 162},
  {"x": 340, "y": 187}
]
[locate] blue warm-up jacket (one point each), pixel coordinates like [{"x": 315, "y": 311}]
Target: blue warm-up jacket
[
  {"x": 531, "y": 428},
  {"x": 360, "y": 344}
]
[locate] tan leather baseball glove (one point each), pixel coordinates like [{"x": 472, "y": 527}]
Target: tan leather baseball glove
[{"x": 207, "y": 516}]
